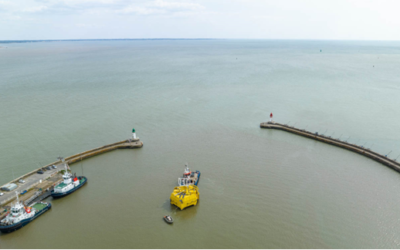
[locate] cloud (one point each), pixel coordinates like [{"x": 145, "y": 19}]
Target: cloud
[
  {"x": 140, "y": 10},
  {"x": 86, "y": 25},
  {"x": 176, "y": 5},
  {"x": 83, "y": 2},
  {"x": 35, "y": 9},
  {"x": 71, "y": 7},
  {"x": 161, "y": 7},
  {"x": 5, "y": 5},
  {"x": 12, "y": 17}
]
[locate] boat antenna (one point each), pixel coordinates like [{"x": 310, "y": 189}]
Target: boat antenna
[
  {"x": 62, "y": 161},
  {"x": 17, "y": 196}
]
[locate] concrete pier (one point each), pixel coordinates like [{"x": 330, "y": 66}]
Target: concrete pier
[
  {"x": 35, "y": 181},
  {"x": 335, "y": 142}
]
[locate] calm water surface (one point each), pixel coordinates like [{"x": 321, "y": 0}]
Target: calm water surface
[{"x": 202, "y": 102}]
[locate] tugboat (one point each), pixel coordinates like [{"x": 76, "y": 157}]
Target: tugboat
[
  {"x": 186, "y": 194},
  {"x": 192, "y": 177},
  {"x": 68, "y": 185},
  {"x": 21, "y": 215}
]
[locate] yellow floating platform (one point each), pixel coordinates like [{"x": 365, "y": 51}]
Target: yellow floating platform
[{"x": 185, "y": 196}]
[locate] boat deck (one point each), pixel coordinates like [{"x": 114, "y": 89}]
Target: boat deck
[
  {"x": 193, "y": 177},
  {"x": 39, "y": 206},
  {"x": 61, "y": 185}
]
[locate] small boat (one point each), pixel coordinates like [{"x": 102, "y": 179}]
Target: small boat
[
  {"x": 20, "y": 215},
  {"x": 168, "y": 219},
  {"x": 69, "y": 184}
]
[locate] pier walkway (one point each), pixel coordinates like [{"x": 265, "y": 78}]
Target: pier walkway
[
  {"x": 34, "y": 181},
  {"x": 336, "y": 142}
]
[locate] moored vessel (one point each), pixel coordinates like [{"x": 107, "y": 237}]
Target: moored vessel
[
  {"x": 20, "y": 215},
  {"x": 69, "y": 184}
]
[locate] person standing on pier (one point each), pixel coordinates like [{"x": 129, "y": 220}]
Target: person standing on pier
[{"x": 270, "y": 117}]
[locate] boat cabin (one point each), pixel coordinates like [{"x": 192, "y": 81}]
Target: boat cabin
[{"x": 189, "y": 177}]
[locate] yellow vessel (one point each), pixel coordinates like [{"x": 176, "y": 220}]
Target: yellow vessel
[{"x": 185, "y": 196}]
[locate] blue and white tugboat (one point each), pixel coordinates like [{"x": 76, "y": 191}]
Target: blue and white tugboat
[
  {"x": 19, "y": 215},
  {"x": 69, "y": 184},
  {"x": 189, "y": 177}
]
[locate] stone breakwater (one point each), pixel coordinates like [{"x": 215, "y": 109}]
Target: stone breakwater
[
  {"x": 393, "y": 164},
  {"x": 35, "y": 181}
]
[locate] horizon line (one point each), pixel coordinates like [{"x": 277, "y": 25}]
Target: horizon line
[{"x": 111, "y": 39}]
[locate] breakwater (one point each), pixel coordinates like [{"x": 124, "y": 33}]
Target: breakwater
[
  {"x": 34, "y": 181},
  {"x": 335, "y": 142}
]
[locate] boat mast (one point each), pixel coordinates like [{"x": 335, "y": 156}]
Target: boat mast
[
  {"x": 17, "y": 197},
  {"x": 65, "y": 164}
]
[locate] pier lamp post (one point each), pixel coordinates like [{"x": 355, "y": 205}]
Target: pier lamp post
[{"x": 133, "y": 133}]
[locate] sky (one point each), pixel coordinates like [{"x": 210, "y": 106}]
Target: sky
[{"x": 238, "y": 19}]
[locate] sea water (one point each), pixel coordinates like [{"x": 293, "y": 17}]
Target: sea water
[{"x": 201, "y": 102}]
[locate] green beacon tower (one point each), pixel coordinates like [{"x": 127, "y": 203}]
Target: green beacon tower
[{"x": 133, "y": 133}]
